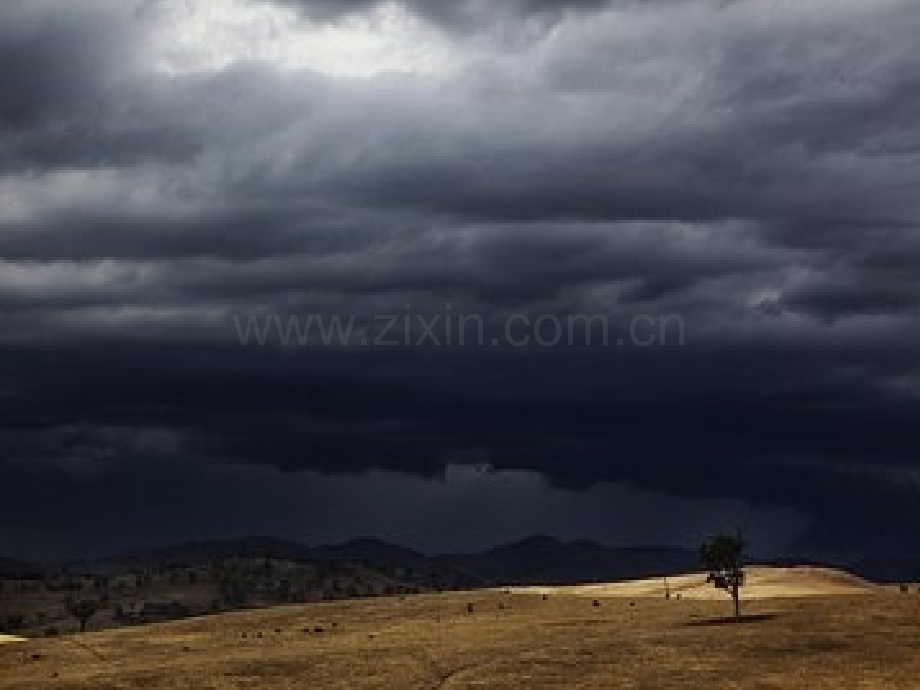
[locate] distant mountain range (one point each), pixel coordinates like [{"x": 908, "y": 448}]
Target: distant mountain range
[
  {"x": 545, "y": 560},
  {"x": 12, "y": 568},
  {"x": 535, "y": 560}
]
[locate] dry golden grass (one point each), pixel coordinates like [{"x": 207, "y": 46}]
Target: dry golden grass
[
  {"x": 870, "y": 639},
  {"x": 760, "y": 583}
]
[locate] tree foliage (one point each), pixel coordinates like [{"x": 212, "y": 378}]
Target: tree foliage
[
  {"x": 721, "y": 556},
  {"x": 83, "y": 611}
]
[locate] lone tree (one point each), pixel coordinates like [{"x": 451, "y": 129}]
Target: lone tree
[
  {"x": 83, "y": 611},
  {"x": 721, "y": 556}
]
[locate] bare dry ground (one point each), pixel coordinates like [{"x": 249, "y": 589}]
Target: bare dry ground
[{"x": 849, "y": 635}]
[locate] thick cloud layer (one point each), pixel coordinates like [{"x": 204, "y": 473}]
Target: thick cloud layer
[{"x": 749, "y": 167}]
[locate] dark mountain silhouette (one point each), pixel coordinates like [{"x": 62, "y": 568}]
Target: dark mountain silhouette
[
  {"x": 199, "y": 552},
  {"x": 371, "y": 551},
  {"x": 546, "y": 560},
  {"x": 534, "y": 560},
  {"x": 13, "y": 568},
  {"x": 889, "y": 568}
]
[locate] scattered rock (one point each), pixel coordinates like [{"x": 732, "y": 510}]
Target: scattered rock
[{"x": 596, "y": 603}]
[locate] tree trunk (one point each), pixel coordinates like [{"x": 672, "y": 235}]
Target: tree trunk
[
  {"x": 737, "y": 599},
  {"x": 83, "y": 625}
]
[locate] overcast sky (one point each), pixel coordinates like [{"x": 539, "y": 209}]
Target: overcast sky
[{"x": 169, "y": 169}]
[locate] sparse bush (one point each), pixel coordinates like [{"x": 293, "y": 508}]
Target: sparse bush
[{"x": 83, "y": 611}]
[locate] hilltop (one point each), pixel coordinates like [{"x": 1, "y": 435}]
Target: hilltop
[
  {"x": 761, "y": 582},
  {"x": 853, "y": 634},
  {"x": 188, "y": 580}
]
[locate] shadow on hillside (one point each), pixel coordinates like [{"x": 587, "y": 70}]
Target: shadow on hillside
[{"x": 731, "y": 620}]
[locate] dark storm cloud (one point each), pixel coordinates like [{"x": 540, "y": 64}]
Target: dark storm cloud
[
  {"x": 52, "y": 62},
  {"x": 460, "y": 15},
  {"x": 750, "y": 167},
  {"x": 63, "y": 66}
]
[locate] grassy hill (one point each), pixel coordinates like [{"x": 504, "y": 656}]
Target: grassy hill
[
  {"x": 626, "y": 636},
  {"x": 220, "y": 576}
]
